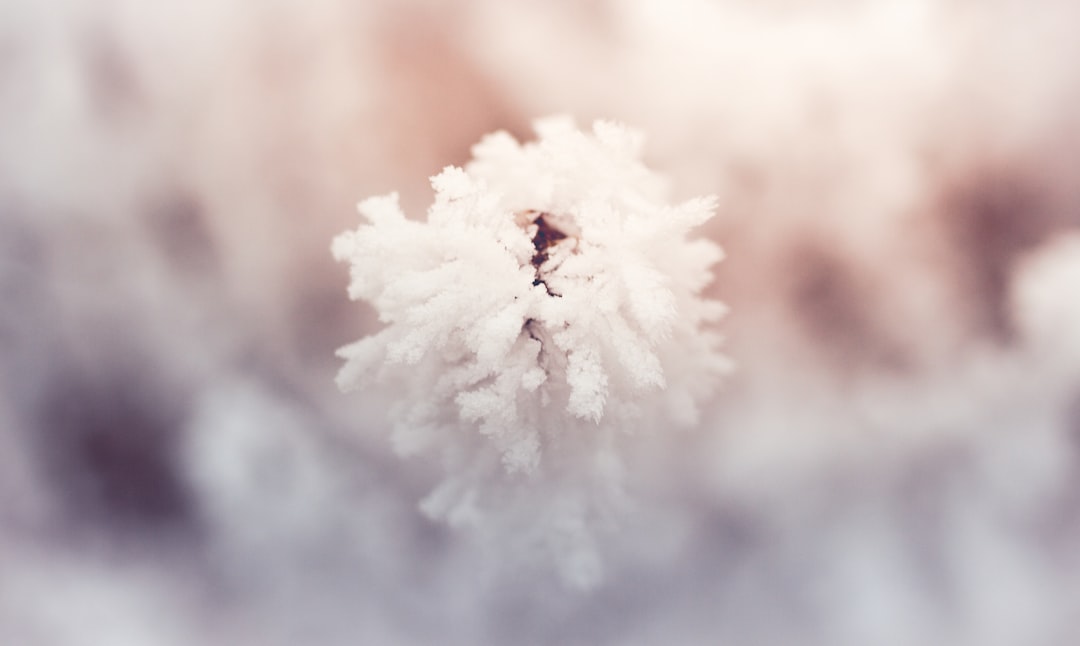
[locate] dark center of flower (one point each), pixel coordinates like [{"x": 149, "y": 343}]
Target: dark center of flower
[{"x": 547, "y": 233}]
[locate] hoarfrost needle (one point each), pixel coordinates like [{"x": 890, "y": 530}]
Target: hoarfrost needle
[{"x": 550, "y": 304}]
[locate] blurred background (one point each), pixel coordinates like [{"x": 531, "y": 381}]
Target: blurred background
[{"x": 896, "y": 462}]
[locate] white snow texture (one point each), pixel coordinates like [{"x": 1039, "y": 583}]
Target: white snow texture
[{"x": 550, "y": 306}]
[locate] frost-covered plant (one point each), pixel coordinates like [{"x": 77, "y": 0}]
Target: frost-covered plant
[{"x": 550, "y": 305}]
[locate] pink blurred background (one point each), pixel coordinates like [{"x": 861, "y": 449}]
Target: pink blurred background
[{"x": 895, "y": 462}]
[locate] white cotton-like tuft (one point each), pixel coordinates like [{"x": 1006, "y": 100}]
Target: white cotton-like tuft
[
  {"x": 547, "y": 310},
  {"x": 588, "y": 384},
  {"x": 452, "y": 183},
  {"x": 620, "y": 139},
  {"x": 650, "y": 301},
  {"x": 382, "y": 210}
]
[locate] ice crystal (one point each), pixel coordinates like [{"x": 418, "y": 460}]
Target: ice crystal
[{"x": 550, "y": 304}]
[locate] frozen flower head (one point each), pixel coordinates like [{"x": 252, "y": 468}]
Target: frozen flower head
[{"x": 549, "y": 305}]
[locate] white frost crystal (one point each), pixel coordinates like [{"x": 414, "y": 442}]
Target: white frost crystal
[{"x": 550, "y": 304}]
